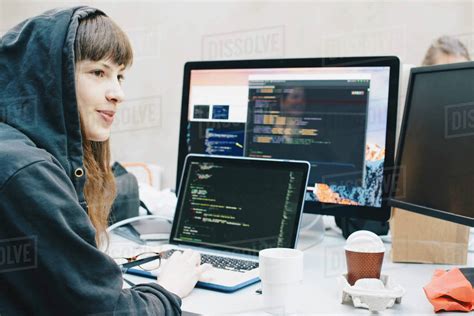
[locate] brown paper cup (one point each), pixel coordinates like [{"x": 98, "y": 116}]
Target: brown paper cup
[{"x": 363, "y": 265}]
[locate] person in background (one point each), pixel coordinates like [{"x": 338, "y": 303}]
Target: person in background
[
  {"x": 446, "y": 50},
  {"x": 61, "y": 77}
]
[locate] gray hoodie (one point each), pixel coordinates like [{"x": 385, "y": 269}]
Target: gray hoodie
[{"x": 49, "y": 261}]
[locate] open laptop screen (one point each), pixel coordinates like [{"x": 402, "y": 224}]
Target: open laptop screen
[{"x": 239, "y": 204}]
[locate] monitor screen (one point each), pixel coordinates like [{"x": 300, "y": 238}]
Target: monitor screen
[
  {"x": 333, "y": 116},
  {"x": 263, "y": 210},
  {"x": 435, "y": 169}
]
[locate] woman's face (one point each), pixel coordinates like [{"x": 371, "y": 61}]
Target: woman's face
[
  {"x": 99, "y": 92},
  {"x": 442, "y": 58}
]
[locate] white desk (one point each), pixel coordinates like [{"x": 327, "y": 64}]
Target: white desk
[{"x": 323, "y": 263}]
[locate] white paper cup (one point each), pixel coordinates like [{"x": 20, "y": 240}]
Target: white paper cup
[{"x": 281, "y": 272}]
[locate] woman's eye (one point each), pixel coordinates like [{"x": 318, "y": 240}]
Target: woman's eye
[
  {"x": 98, "y": 73},
  {"x": 120, "y": 78}
]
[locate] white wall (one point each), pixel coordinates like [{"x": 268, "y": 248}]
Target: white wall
[{"x": 167, "y": 34}]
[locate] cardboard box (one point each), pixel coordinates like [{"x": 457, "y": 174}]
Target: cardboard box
[{"x": 424, "y": 239}]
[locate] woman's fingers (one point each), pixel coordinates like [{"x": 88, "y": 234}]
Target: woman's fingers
[
  {"x": 175, "y": 255},
  {"x": 192, "y": 257},
  {"x": 204, "y": 267},
  {"x": 195, "y": 258}
]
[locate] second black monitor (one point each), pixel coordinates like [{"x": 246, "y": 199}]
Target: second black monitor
[
  {"x": 336, "y": 113},
  {"x": 435, "y": 170}
]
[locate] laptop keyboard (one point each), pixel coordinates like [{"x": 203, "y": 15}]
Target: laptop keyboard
[{"x": 224, "y": 263}]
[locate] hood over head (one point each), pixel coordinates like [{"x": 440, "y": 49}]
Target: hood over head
[{"x": 37, "y": 83}]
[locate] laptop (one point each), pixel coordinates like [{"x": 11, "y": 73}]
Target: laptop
[{"x": 230, "y": 208}]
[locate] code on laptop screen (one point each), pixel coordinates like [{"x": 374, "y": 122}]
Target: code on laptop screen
[{"x": 239, "y": 206}]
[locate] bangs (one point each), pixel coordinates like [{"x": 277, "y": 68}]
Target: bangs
[{"x": 99, "y": 38}]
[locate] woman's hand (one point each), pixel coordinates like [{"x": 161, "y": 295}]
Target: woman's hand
[{"x": 181, "y": 272}]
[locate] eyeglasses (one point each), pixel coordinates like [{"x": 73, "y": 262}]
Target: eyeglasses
[{"x": 148, "y": 261}]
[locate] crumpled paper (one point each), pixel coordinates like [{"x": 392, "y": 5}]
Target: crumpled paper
[{"x": 450, "y": 291}]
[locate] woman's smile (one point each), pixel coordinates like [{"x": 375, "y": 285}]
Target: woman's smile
[{"x": 107, "y": 116}]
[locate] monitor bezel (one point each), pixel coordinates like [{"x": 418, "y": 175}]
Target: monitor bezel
[
  {"x": 365, "y": 212},
  {"x": 393, "y": 201},
  {"x": 298, "y": 165}
]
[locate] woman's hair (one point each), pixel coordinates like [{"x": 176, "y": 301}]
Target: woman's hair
[
  {"x": 98, "y": 38},
  {"x": 446, "y": 45}
]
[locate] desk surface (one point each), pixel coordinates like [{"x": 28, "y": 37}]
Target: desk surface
[{"x": 323, "y": 264}]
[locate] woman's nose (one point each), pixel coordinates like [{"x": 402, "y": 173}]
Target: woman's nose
[{"x": 115, "y": 94}]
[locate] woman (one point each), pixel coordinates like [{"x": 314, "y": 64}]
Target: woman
[
  {"x": 446, "y": 50},
  {"x": 60, "y": 86}
]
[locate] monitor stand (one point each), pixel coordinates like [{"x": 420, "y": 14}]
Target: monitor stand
[{"x": 311, "y": 231}]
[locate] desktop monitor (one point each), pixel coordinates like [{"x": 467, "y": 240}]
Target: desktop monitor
[
  {"x": 434, "y": 167},
  {"x": 336, "y": 113}
]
